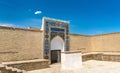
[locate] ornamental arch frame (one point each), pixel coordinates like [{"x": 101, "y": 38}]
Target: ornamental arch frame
[{"x": 53, "y": 28}]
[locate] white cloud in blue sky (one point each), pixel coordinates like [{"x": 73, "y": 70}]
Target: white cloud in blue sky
[
  {"x": 38, "y": 12},
  {"x": 7, "y": 24}
]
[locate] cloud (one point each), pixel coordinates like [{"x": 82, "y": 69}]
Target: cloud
[
  {"x": 38, "y": 12},
  {"x": 7, "y": 24}
]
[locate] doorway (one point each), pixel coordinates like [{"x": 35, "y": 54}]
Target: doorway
[
  {"x": 55, "y": 56},
  {"x": 57, "y": 45}
]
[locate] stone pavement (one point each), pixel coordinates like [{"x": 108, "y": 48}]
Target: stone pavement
[{"x": 91, "y": 66}]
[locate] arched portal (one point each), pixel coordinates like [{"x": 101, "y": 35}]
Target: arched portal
[
  {"x": 55, "y": 36},
  {"x": 57, "y": 45}
]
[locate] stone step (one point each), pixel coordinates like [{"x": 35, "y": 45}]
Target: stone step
[{"x": 6, "y": 69}]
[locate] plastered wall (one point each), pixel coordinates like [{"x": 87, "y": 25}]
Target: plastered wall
[
  {"x": 20, "y": 44},
  {"x": 80, "y": 42},
  {"x": 98, "y": 43},
  {"x": 26, "y": 44},
  {"x": 106, "y": 43}
]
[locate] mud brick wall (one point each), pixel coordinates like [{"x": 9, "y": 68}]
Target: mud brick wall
[{"x": 20, "y": 44}]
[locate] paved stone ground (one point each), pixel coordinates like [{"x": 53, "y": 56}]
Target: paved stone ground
[{"x": 91, "y": 66}]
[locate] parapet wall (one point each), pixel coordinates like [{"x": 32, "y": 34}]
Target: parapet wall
[{"x": 20, "y": 44}]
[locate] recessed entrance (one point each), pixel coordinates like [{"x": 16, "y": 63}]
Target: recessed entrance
[
  {"x": 55, "y": 56},
  {"x": 57, "y": 45}
]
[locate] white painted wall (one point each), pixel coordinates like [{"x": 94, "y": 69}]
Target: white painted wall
[
  {"x": 57, "y": 44},
  {"x": 71, "y": 61}
]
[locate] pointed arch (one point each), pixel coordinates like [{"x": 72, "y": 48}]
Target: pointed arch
[{"x": 57, "y": 43}]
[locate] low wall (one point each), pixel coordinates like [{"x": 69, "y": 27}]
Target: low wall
[
  {"x": 111, "y": 57},
  {"x": 101, "y": 56},
  {"x": 28, "y": 65},
  {"x": 71, "y": 60}
]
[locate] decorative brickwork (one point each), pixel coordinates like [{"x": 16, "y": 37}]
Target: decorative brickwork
[{"x": 53, "y": 28}]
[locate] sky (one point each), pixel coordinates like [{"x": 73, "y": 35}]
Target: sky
[{"x": 88, "y": 17}]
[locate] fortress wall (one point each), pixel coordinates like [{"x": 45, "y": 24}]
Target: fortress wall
[
  {"x": 80, "y": 42},
  {"x": 106, "y": 43},
  {"x": 97, "y": 43},
  {"x": 20, "y": 44},
  {"x": 25, "y": 44}
]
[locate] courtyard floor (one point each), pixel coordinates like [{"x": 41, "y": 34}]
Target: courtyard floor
[{"x": 91, "y": 66}]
